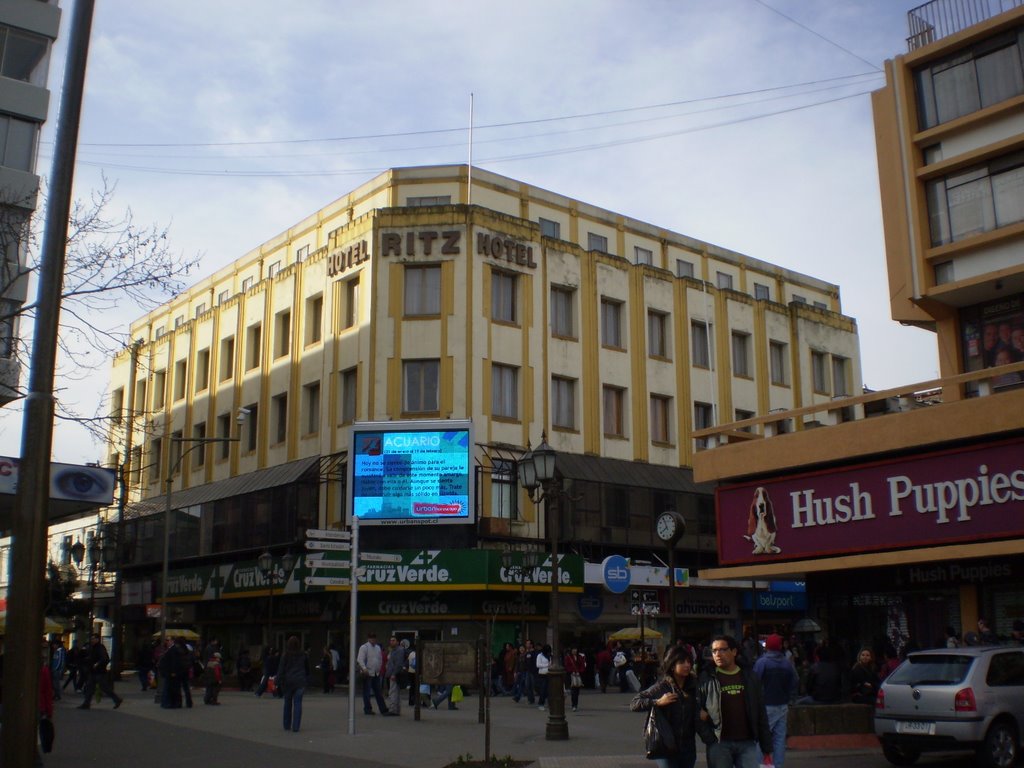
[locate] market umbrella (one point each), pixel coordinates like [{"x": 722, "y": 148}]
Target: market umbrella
[
  {"x": 50, "y": 626},
  {"x": 633, "y": 633},
  {"x": 188, "y": 634}
]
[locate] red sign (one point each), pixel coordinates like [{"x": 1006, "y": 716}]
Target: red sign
[{"x": 946, "y": 497}]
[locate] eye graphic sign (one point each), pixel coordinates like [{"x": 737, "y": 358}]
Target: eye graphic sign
[
  {"x": 961, "y": 495},
  {"x": 68, "y": 482}
]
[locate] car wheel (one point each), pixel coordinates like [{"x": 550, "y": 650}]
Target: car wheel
[
  {"x": 1000, "y": 747},
  {"x": 899, "y": 755}
]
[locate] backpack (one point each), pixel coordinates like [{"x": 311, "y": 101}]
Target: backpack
[{"x": 620, "y": 659}]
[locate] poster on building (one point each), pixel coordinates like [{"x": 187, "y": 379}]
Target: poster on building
[
  {"x": 944, "y": 497},
  {"x": 993, "y": 335}
]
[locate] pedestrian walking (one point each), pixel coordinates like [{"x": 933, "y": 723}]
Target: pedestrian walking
[
  {"x": 170, "y": 668},
  {"x": 213, "y": 677},
  {"x": 368, "y": 662},
  {"x": 736, "y": 730},
  {"x": 675, "y": 693},
  {"x": 543, "y": 659},
  {"x": 271, "y": 659},
  {"x": 393, "y": 672},
  {"x": 98, "y": 661},
  {"x": 603, "y": 663},
  {"x": 327, "y": 670},
  {"x": 780, "y": 684},
  {"x": 864, "y": 678},
  {"x": 188, "y": 656},
  {"x": 292, "y": 678},
  {"x": 58, "y": 663},
  {"x": 575, "y": 665}
]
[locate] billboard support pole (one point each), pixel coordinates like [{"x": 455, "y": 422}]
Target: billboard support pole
[{"x": 353, "y": 619}]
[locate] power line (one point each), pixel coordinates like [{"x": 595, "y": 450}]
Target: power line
[{"x": 819, "y": 35}]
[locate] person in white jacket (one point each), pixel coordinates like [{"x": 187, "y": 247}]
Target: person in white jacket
[
  {"x": 368, "y": 662},
  {"x": 543, "y": 662}
]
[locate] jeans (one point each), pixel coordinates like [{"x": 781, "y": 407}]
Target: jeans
[
  {"x": 734, "y": 754},
  {"x": 394, "y": 696},
  {"x": 293, "y": 709},
  {"x": 529, "y": 686},
  {"x": 542, "y": 690},
  {"x": 685, "y": 758},
  {"x": 777, "y": 715},
  {"x": 371, "y": 683}
]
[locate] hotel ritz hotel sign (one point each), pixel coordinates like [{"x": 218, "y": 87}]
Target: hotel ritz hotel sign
[{"x": 430, "y": 242}]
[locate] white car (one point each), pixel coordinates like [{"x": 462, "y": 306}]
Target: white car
[{"x": 951, "y": 699}]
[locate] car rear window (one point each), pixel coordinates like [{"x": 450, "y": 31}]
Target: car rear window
[
  {"x": 932, "y": 670},
  {"x": 1006, "y": 669}
]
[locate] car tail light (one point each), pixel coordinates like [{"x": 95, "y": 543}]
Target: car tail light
[
  {"x": 880, "y": 699},
  {"x": 964, "y": 701}
]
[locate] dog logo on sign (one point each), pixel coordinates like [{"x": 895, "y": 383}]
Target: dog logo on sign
[{"x": 761, "y": 526}]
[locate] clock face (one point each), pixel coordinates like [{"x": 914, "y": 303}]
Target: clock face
[{"x": 666, "y": 526}]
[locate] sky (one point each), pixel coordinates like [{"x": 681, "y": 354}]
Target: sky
[{"x": 744, "y": 123}]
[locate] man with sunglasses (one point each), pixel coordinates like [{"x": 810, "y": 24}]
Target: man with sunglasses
[{"x": 734, "y": 722}]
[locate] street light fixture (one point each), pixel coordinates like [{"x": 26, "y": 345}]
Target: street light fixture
[
  {"x": 265, "y": 562},
  {"x": 199, "y": 442},
  {"x": 536, "y": 476},
  {"x": 527, "y": 562}
]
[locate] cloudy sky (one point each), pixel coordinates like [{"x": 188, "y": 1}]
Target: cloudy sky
[{"x": 745, "y": 123}]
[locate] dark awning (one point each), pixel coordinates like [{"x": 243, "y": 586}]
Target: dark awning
[
  {"x": 595, "y": 469},
  {"x": 261, "y": 479}
]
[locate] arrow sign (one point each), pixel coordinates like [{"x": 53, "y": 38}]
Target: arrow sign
[
  {"x": 316, "y": 562},
  {"x": 327, "y": 581},
  {"x": 335, "y": 546},
  {"x": 379, "y": 557},
  {"x": 328, "y": 533}
]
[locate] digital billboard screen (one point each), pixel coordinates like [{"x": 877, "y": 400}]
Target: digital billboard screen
[{"x": 411, "y": 473}]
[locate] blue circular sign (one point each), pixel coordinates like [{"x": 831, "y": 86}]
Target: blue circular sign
[
  {"x": 615, "y": 569},
  {"x": 590, "y": 604}
]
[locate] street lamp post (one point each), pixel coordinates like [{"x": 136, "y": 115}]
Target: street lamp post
[
  {"x": 527, "y": 562},
  {"x": 199, "y": 442},
  {"x": 265, "y": 562},
  {"x": 536, "y": 475}
]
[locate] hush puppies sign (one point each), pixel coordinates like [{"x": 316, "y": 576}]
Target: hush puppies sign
[{"x": 946, "y": 497}]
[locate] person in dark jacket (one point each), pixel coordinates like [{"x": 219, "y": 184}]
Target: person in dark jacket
[
  {"x": 292, "y": 677},
  {"x": 825, "y": 679},
  {"x": 736, "y": 728},
  {"x": 780, "y": 684},
  {"x": 170, "y": 668},
  {"x": 864, "y": 678},
  {"x": 676, "y": 694},
  {"x": 98, "y": 661}
]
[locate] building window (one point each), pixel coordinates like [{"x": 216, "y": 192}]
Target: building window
[
  {"x": 977, "y": 200},
  {"x": 282, "y": 333},
  {"x": 421, "y": 380},
  {"x": 840, "y": 370},
  {"x": 684, "y": 268},
  {"x": 302, "y": 252},
  {"x": 504, "y": 490},
  {"x": 762, "y": 292},
  {"x": 246, "y": 284},
  {"x": 821, "y": 305},
  {"x": 970, "y": 80},
  {"x": 311, "y": 407},
  {"x": 944, "y": 273},
  {"x": 279, "y": 406},
  {"x": 227, "y": 358},
  {"x": 179, "y": 321},
  {"x": 159, "y": 394},
  {"x": 177, "y": 451},
  {"x": 819, "y": 373},
  {"x": 23, "y": 56},
  {"x": 611, "y": 323},
  {"x": 8, "y": 324},
  {"x": 597, "y": 242},
  {"x": 200, "y": 308},
  {"x": 563, "y": 402},
  {"x": 798, "y": 299},
  {"x": 503, "y": 296},
  {"x": 252, "y": 425},
  {"x": 742, "y": 415},
  {"x": 202, "y": 370},
  {"x": 420, "y": 202},
  {"x": 661, "y": 414},
  {"x": 348, "y": 396},
  {"x": 253, "y": 346},
  {"x": 160, "y": 332},
  {"x": 199, "y": 449},
  {"x": 643, "y": 255},
  {"x": 140, "y": 395},
  {"x": 778, "y": 363},
  {"x": 117, "y": 405},
  {"x": 273, "y": 269},
  {"x": 17, "y": 142},
  {"x": 155, "y": 458},
  {"x": 562, "y": 316},
  {"x": 224, "y": 435},
  {"x": 180, "y": 379},
  {"x": 657, "y": 334},
  {"x": 741, "y": 354},
  {"x": 700, "y": 344},
  {"x": 223, "y": 296},
  {"x": 351, "y": 314},
  {"x": 614, "y": 399},
  {"x": 703, "y": 418},
  {"x": 314, "y": 319},
  {"x": 723, "y": 280},
  {"x": 422, "y": 291},
  {"x": 504, "y": 391},
  {"x": 550, "y": 228}
]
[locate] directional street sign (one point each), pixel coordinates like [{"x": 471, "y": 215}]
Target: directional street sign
[
  {"x": 327, "y": 581},
  {"x": 319, "y": 562},
  {"x": 379, "y": 557},
  {"x": 328, "y": 533},
  {"x": 336, "y": 546}
]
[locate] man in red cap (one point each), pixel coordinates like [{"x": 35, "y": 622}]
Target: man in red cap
[{"x": 779, "y": 682}]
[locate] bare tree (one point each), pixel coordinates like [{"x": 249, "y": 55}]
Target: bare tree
[{"x": 115, "y": 270}]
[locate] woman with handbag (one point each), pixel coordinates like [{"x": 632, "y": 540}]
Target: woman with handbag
[
  {"x": 575, "y": 665},
  {"x": 673, "y": 712}
]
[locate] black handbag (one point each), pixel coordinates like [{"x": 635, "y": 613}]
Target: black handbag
[
  {"x": 46, "y": 733},
  {"x": 659, "y": 741}
]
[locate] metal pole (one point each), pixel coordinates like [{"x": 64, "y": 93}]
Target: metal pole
[
  {"x": 353, "y": 621},
  {"x": 557, "y": 727},
  {"x": 167, "y": 553},
  {"x": 672, "y": 592},
  {"x": 270, "y": 608},
  {"x": 26, "y": 587}
]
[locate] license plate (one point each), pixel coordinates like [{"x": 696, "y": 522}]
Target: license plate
[{"x": 924, "y": 729}]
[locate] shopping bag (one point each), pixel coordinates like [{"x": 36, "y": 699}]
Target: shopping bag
[
  {"x": 46, "y": 734},
  {"x": 425, "y": 689},
  {"x": 457, "y": 694},
  {"x": 271, "y": 685}
]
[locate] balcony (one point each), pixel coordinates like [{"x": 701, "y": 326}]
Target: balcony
[{"x": 942, "y": 18}]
